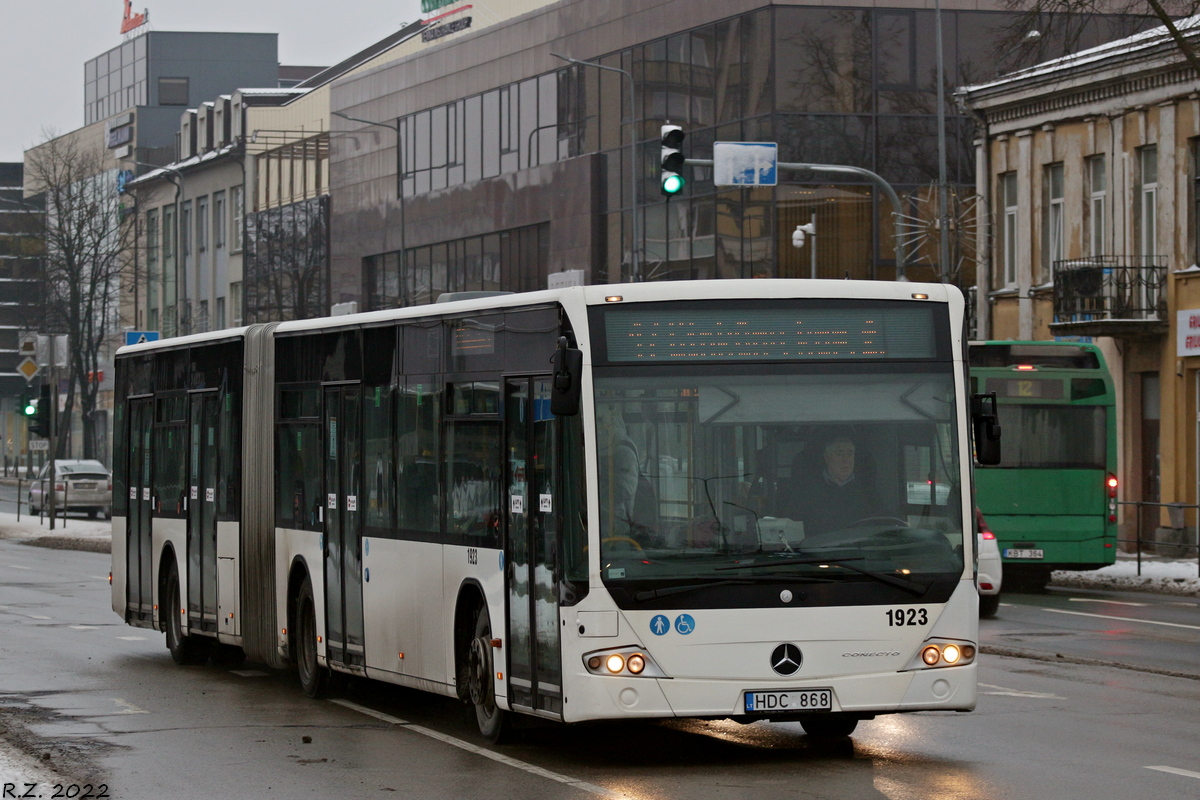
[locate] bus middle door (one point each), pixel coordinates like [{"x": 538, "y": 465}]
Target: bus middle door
[
  {"x": 202, "y": 511},
  {"x": 343, "y": 529},
  {"x": 531, "y": 432}
]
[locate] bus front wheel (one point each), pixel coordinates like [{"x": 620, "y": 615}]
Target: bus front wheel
[
  {"x": 832, "y": 726},
  {"x": 314, "y": 679},
  {"x": 492, "y": 721}
]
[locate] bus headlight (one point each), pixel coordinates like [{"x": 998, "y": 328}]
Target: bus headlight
[
  {"x": 631, "y": 661},
  {"x": 943, "y": 653}
]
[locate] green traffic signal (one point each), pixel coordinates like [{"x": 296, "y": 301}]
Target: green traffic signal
[
  {"x": 29, "y": 407},
  {"x": 672, "y": 183}
]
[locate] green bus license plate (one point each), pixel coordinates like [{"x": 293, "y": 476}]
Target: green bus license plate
[
  {"x": 788, "y": 700},
  {"x": 1014, "y": 553}
]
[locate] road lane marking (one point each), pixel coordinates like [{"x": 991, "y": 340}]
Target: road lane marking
[
  {"x": 83, "y": 627},
  {"x": 128, "y": 707},
  {"x": 471, "y": 748},
  {"x": 132, "y": 638},
  {"x": 18, "y": 566},
  {"x": 1123, "y": 619},
  {"x": 1003, "y": 691},
  {"x": 1106, "y": 602},
  {"x": 39, "y": 616},
  {"x": 1177, "y": 771}
]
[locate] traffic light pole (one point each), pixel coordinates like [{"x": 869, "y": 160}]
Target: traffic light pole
[
  {"x": 839, "y": 169},
  {"x": 51, "y": 477}
]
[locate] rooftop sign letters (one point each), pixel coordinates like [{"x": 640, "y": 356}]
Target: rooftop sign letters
[{"x": 132, "y": 20}]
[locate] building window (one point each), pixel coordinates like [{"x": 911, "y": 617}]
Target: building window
[
  {"x": 201, "y": 224},
  {"x": 218, "y": 219},
  {"x": 1054, "y": 218},
  {"x": 238, "y": 210},
  {"x": 1097, "y": 175},
  {"x": 1148, "y": 200},
  {"x": 1008, "y": 231},
  {"x": 220, "y": 324},
  {"x": 168, "y": 231},
  {"x": 235, "y": 303},
  {"x": 172, "y": 91},
  {"x": 152, "y": 241}
]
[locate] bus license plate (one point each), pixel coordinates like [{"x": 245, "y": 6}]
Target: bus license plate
[
  {"x": 1014, "y": 553},
  {"x": 788, "y": 700}
]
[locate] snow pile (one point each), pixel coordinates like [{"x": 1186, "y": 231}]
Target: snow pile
[
  {"x": 1162, "y": 576},
  {"x": 87, "y": 531}
]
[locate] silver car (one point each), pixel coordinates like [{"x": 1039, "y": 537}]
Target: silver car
[{"x": 79, "y": 485}]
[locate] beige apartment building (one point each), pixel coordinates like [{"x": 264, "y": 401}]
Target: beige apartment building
[{"x": 1087, "y": 174}]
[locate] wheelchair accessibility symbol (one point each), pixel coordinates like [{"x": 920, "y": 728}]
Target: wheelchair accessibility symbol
[{"x": 685, "y": 624}]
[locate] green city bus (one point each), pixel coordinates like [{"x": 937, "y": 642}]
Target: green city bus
[{"x": 1052, "y": 500}]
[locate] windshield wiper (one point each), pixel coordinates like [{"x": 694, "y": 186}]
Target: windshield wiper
[{"x": 912, "y": 587}]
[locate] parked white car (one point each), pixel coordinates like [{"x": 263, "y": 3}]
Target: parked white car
[
  {"x": 990, "y": 574},
  {"x": 82, "y": 485}
]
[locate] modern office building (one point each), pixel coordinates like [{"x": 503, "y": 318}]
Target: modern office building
[{"x": 509, "y": 164}]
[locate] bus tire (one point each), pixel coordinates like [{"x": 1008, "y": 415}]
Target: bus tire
[
  {"x": 832, "y": 726},
  {"x": 492, "y": 721},
  {"x": 185, "y": 650},
  {"x": 314, "y": 679},
  {"x": 989, "y": 604}
]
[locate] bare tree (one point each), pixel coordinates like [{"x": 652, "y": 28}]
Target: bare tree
[
  {"x": 84, "y": 254},
  {"x": 1046, "y": 29}
]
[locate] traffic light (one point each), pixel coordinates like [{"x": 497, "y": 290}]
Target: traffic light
[
  {"x": 28, "y": 404},
  {"x": 39, "y": 420},
  {"x": 672, "y": 160}
]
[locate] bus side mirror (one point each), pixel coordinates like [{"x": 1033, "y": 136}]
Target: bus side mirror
[
  {"x": 986, "y": 426},
  {"x": 568, "y": 380}
]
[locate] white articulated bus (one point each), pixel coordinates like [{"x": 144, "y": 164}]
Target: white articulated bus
[{"x": 715, "y": 499}]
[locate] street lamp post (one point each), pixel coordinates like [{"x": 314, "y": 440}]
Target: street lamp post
[
  {"x": 633, "y": 158},
  {"x": 395, "y": 128}
]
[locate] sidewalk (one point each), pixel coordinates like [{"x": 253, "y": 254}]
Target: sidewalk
[
  {"x": 74, "y": 533},
  {"x": 1159, "y": 575}
]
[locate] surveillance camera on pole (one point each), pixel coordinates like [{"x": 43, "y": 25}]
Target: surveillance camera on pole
[
  {"x": 672, "y": 160},
  {"x": 801, "y": 231}
]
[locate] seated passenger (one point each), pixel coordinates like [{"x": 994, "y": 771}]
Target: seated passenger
[{"x": 836, "y": 497}]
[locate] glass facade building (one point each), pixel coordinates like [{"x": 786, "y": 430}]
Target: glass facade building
[{"x": 851, "y": 86}]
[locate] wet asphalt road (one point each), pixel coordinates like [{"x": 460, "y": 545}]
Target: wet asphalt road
[{"x": 109, "y": 706}]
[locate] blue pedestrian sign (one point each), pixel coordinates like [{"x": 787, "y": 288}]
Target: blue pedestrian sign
[
  {"x": 140, "y": 337},
  {"x": 745, "y": 163},
  {"x": 660, "y": 625},
  {"x": 685, "y": 624}
]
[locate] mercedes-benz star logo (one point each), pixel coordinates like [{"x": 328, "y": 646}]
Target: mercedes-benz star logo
[{"x": 786, "y": 659}]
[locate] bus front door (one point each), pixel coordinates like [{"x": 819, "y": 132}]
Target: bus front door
[
  {"x": 202, "y": 512},
  {"x": 139, "y": 554},
  {"x": 343, "y": 531},
  {"x": 532, "y": 433}
]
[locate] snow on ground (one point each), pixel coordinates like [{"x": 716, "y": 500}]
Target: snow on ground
[
  {"x": 1159, "y": 575},
  {"x": 18, "y": 768},
  {"x": 72, "y": 533}
]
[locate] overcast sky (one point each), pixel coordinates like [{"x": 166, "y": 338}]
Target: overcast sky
[{"x": 44, "y": 44}]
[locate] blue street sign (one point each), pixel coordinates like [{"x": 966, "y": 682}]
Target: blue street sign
[
  {"x": 745, "y": 163},
  {"x": 138, "y": 337}
]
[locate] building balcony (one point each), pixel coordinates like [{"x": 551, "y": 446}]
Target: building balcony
[{"x": 1121, "y": 296}]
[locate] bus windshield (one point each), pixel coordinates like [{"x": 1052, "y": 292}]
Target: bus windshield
[{"x": 741, "y": 473}]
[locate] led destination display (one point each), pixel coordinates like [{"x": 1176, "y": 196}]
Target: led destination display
[{"x": 639, "y": 334}]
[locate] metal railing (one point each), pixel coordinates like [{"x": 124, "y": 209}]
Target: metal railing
[
  {"x": 1110, "y": 288},
  {"x": 1176, "y": 511}
]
